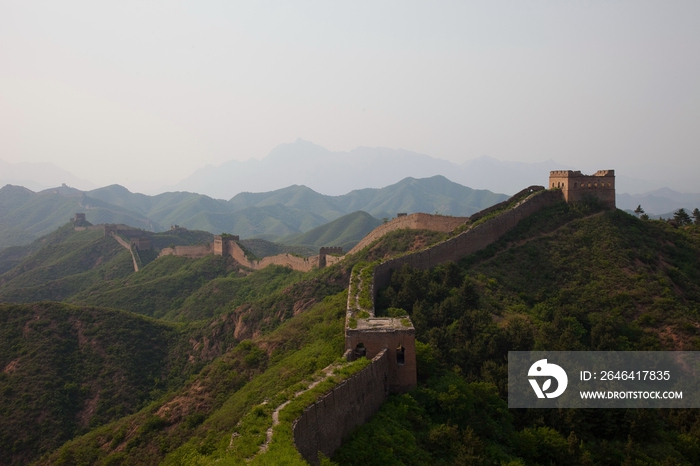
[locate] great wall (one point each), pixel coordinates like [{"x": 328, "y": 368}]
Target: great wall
[{"x": 390, "y": 341}]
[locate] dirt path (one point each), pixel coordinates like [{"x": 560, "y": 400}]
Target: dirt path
[{"x": 327, "y": 372}]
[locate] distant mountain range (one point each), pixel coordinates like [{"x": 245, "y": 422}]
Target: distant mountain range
[
  {"x": 39, "y": 176},
  {"x": 287, "y": 212},
  {"x": 303, "y": 162},
  {"x": 661, "y": 202},
  {"x": 335, "y": 173}
]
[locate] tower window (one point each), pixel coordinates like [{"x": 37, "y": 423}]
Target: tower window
[{"x": 400, "y": 355}]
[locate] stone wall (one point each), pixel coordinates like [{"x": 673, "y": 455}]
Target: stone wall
[
  {"x": 193, "y": 252},
  {"x": 521, "y": 194},
  {"x": 389, "y": 338},
  {"x": 417, "y": 221},
  {"x": 240, "y": 257},
  {"x": 323, "y": 426},
  {"x": 134, "y": 254},
  {"x": 121, "y": 240},
  {"x": 326, "y": 424},
  {"x": 330, "y": 260},
  {"x": 303, "y": 264},
  {"x": 468, "y": 242},
  {"x": 577, "y": 186}
]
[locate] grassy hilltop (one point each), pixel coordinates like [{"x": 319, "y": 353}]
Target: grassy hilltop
[{"x": 229, "y": 345}]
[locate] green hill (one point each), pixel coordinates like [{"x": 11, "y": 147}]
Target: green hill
[
  {"x": 65, "y": 370},
  {"x": 636, "y": 289},
  {"x": 63, "y": 263},
  {"x": 408, "y": 195},
  {"x": 570, "y": 277},
  {"x": 67, "y": 262},
  {"x": 345, "y": 231},
  {"x": 25, "y": 215},
  {"x": 564, "y": 279}
]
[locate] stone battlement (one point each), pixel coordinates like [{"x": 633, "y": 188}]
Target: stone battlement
[
  {"x": 331, "y": 250},
  {"x": 227, "y": 245},
  {"x": 576, "y": 186},
  {"x": 390, "y": 342}
]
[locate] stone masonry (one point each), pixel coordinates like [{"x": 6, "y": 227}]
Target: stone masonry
[
  {"x": 390, "y": 342},
  {"x": 577, "y": 186}
]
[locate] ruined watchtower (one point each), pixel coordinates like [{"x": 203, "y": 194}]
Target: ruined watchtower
[
  {"x": 576, "y": 186},
  {"x": 326, "y": 251},
  {"x": 397, "y": 336},
  {"x": 367, "y": 335},
  {"x": 222, "y": 244}
]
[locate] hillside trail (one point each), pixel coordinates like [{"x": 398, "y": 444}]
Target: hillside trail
[
  {"x": 513, "y": 244},
  {"x": 326, "y": 372}
]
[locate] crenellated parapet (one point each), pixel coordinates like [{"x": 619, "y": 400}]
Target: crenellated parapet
[
  {"x": 331, "y": 250},
  {"x": 329, "y": 255},
  {"x": 576, "y": 186}
]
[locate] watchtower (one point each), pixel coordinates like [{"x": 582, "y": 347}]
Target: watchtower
[
  {"x": 324, "y": 251},
  {"x": 222, "y": 244},
  {"x": 398, "y": 336},
  {"x": 576, "y": 186},
  {"x": 142, "y": 243},
  {"x": 79, "y": 219}
]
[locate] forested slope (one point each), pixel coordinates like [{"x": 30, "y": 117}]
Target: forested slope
[
  {"x": 567, "y": 278},
  {"x": 202, "y": 391}
]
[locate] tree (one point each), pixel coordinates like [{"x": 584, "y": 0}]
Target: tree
[
  {"x": 696, "y": 216},
  {"x": 682, "y": 218},
  {"x": 639, "y": 211}
]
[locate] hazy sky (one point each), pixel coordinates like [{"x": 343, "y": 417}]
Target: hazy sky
[{"x": 129, "y": 92}]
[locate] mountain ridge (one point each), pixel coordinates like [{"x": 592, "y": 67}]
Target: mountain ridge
[{"x": 296, "y": 209}]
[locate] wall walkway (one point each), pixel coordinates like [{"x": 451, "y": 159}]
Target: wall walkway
[
  {"x": 418, "y": 221},
  {"x": 468, "y": 242},
  {"x": 128, "y": 246}
]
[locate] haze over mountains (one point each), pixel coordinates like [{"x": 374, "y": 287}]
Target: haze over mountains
[
  {"x": 279, "y": 196},
  {"x": 287, "y": 212},
  {"x": 335, "y": 173},
  {"x": 303, "y": 162}
]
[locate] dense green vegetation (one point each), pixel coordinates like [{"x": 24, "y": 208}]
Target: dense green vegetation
[
  {"x": 194, "y": 425},
  {"x": 62, "y": 264},
  {"x": 83, "y": 384},
  {"x": 65, "y": 263},
  {"x": 25, "y": 215},
  {"x": 567, "y": 278},
  {"x": 345, "y": 232},
  {"x": 65, "y": 370},
  {"x": 159, "y": 287},
  {"x": 271, "y": 296}
]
